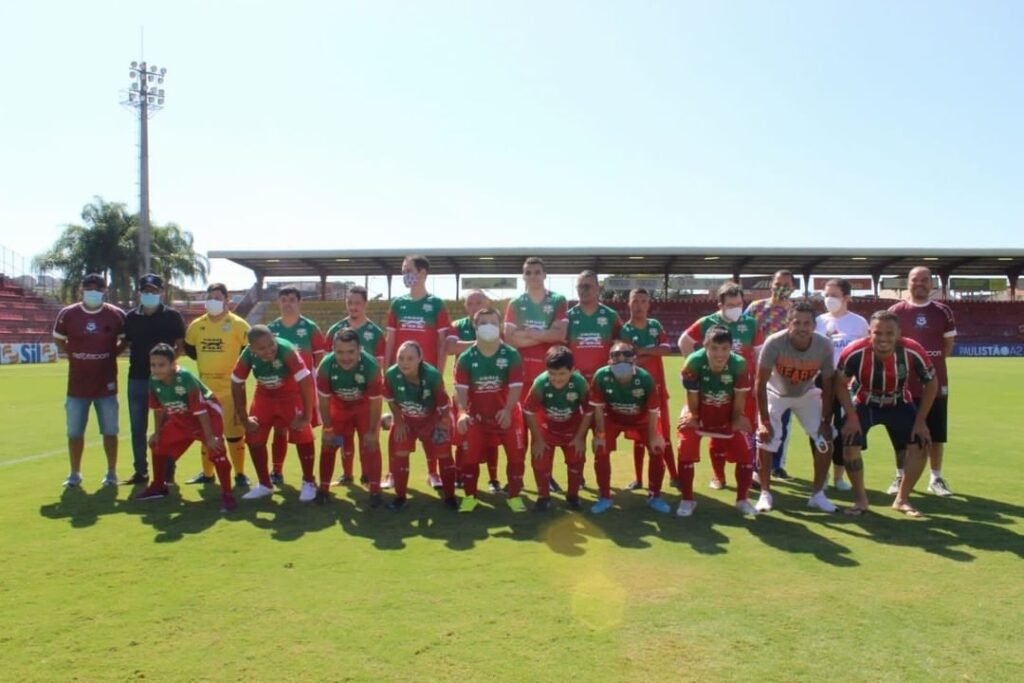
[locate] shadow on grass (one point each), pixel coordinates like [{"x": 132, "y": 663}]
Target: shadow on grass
[{"x": 80, "y": 508}]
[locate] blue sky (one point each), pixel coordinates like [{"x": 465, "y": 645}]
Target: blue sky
[{"x": 372, "y": 124}]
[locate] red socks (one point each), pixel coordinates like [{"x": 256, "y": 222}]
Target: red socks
[
  {"x": 718, "y": 466},
  {"x": 638, "y": 461},
  {"x": 258, "y": 453},
  {"x": 686, "y": 474},
  {"x": 279, "y": 449},
  {"x": 744, "y": 477}
]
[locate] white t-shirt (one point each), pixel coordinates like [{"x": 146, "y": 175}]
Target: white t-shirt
[{"x": 842, "y": 331}]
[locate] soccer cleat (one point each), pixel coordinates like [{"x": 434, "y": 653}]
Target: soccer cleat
[
  {"x": 894, "y": 487},
  {"x": 553, "y": 485},
  {"x": 781, "y": 474},
  {"x": 716, "y": 484},
  {"x": 258, "y": 491},
  {"x": 397, "y": 505},
  {"x": 573, "y": 502},
  {"x": 277, "y": 479},
  {"x": 134, "y": 480},
  {"x": 308, "y": 492},
  {"x": 634, "y": 485},
  {"x": 658, "y": 505},
  {"x": 363, "y": 479},
  {"x": 764, "y": 502},
  {"x": 673, "y": 483},
  {"x": 201, "y": 479},
  {"x": 345, "y": 480},
  {"x": 542, "y": 505},
  {"x": 387, "y": 482},
  {"x": 939, "y": 488},
  {"x": 494, "y": 486},
  {"x": 74, "y": 480},
  {"x": 468, "y": 504},
  {"x": 516, "y": 504},
  {"x": 228, "y": 503},
  {"x": 818, "y": 500},
  {"x": 376, "y": 500},
  {"x": 434, "y": 482},
  {"x": 151, "y": 492},
  {"x": 322, "y": 497},
  {"x": 109, "y": 479},
  {"x": 451, "y": 503},
  {"x": 601, "y": 506},
  {"x": 240, "y": 480},
  {"x": 745, "y": 508},
  {"x": 686, "y": 508},
  {"x": 842, "y": 485}
]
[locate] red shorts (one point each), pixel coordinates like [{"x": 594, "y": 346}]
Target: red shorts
[
  {"x": 736, "y": 448},
  {"x": 424, "y": 433},
  {"x": 614, "y": 429},
  {"x": 483, "y": 435},
  {"x": 181, "y": 431},
  {"x": 271, "y": 412},
  {"x": 348, "y": 421},
  {"x": 572, "y": 456}
]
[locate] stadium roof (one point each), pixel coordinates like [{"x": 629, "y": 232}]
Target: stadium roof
[{"x": 631, "y": 260}]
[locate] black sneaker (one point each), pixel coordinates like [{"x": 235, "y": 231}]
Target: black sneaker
[
  {"x": 240, "y": 480},
  {"x": 634, "y": 485},
  {"x": 542, "y": 504},
  {"x": 504, "y": 489},
  {"x": 397, "y": 504},
  {"x": 458, "y": 483},
  {"x": 573, "y": 502},
  {"x": 277, "y": 479},
  {"x": 780, "y": 473},
  {"x": 494, "y": 486},
  {"x": 375, "y": 501},
  {"x": 201, "y": 479},
  {"x": 362, "y": 480},
  {"x": 553, "y": 485},
  {"x": 674, "y": 483},
  {"x": 452, "y": 503},
  {"x": 135, "y": 480},
  {"x": 322, "y": 497},
  {"x": 345, "y": 480}
]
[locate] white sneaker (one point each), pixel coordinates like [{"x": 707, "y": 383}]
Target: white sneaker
[
  {"x": 258, "y": 491},
  {"x": 387, "y": 482},
  {"x": 894, "y": 487},
  {"x": 434, "y": 481},
  {"x": 686, "y": 508},
  {"x": 842, "y": 485},
  {"x": 939, "y": 488},
  {"x": 110, "y": 479},
  {"x": 74, "y": 479},
  {"x": 716, "y": 484},
  {"x": 308, "y": 492},
  {"x": 818, "y": 500},
  {"x": 746, "y": 508},
  {"x": 764, "y": 502}
]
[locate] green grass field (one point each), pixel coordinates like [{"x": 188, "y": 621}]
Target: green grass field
[{"x": 97, "y": 587}]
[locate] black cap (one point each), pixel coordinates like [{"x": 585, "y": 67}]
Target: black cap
[
  {"x": 94, "y": 279},
  {"x": 151, "y": 280}
]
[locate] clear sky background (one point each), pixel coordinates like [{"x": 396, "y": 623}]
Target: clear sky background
[{"x": 413, "y": 124}]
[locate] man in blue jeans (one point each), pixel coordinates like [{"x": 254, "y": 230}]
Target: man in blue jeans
[{"x": 147, "y": 325}]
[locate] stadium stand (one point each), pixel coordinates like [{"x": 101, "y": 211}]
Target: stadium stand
[{"x": 25, "y": 317}]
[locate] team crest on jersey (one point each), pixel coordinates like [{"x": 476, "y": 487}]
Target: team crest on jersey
[
  {"x": 360, "y": 378},
  {"x": 726, "y": 378},
  {"x": 921, "y": 320},
  {"x": 638, "y": 392},
  {"x": 226, "y": 327},
  {"x": 426, "y": 393},
  {"x": 180, "y": 390},
  {"x": 602, "y": 322},
  {"x": 428, "y": 307},
  {"x": 90, "y": 326},
  {"x": 548, "y": 309},
  {"x": 572, "y": 396},
  {"x": 502, "y": 363},
  {"x": 301, "y": 332},
  {"x": 276, "y": 364},
  {"x": 741, "y": 328},
  {"x": 367, "y": 335}
]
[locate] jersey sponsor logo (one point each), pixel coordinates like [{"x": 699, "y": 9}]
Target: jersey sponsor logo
[
  {"x": 589, "y": 340},
  {"x": 211, "y": 345},
  {"x": 486, "y": 385},
  {"x": 90, "y": 356},
  {"x": 413, "y": 322},
  {"x": 411, "y": 409},
  {"x": 625, "y": 408},
  {"x": 557, "y": 414},
  {"x": 716, "y": 398},
  {"x": 270, "y": 382}
]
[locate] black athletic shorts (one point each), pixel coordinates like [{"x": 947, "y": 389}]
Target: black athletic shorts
[
  {"x": 937, "y": 419},
  {"x": 897, "y": 419}
]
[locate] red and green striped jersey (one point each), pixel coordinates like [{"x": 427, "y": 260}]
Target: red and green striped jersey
[
  {"x": 650, "y": 335},
  {"x": 717, "y": 390},
  {"x": 353, "y": 387},
  {"x": 559, "y": 411},
  {"x": 419, "y": 320},
  {"x": 526, "y": 314},
  {"x": 420, "y": 402},
  {"x": 590, "y": 337},
  {"x": 488, "y": 378},
  {"x": 747, "y": 335},
  {"x": 278, "y": 377},
  {"x": 184, "y": 395},
  {"x": 627, "y": 403},
  {"x": 882, "y": 381},
  {"x": 305, "y": 335},
  {"x": 371, "y": 337}
]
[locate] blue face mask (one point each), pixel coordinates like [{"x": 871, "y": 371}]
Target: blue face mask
[
  {"x": 92, "y": 298},
  {"x": 622, "y": 370},
  {"x": 149, "y": 300}
]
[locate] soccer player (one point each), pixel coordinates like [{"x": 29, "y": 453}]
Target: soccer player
[
  {"x": 592, "y": 327},
  {"x": 371, "y": 340},
  {"x": 789, "y": 363},
  {"x": 215, "y": 340},
  {"x": 461, "y": 336},
  {"x": 650, "y": 341},
  {"x": 717, "y": 383},
  {"x": 423, "y": 318},
  {"x": 558, "y": 414},
  {"x": 843, "y": 327},
  {"x": 184, "y": 411},
  {"x": 746, "y": 341},
  {"x": 626, "y": 401},
  {"x": 488, "y": 381},
  {"x": 349, "y": 383},
  {"x": 930, "y": 324},
  {"x": 306, "y": 337},
  {"x": 415, "y": 392},
  {"x": 879, "y": 367},
  {"x": 91, "y": 333},
  {"x": 283, "y": 398},
  {"x": 145, "y": 326},
  {"x": 771, "y": 315}
]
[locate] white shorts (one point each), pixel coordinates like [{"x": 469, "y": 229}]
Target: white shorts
[{"x": 806, "y": 408}]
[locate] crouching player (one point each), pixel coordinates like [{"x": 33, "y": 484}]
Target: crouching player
[
  {"x": 717, "y": 383},
  {"x": 416, "y": 395},
  {"x": 557, "y": 414},
  {"x": 488, "y": 381},
  {"x": 184, "y": 411},
  {"x": 348, "y": 381},
  {"x": 626, "y": 401},
  {"x": 284, "y": 398}
]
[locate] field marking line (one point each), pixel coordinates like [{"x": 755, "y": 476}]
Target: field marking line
[{"x": 50, "y": 454}]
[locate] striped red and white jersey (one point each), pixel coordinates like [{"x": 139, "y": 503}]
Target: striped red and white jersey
[{"x": 883, "y": 381}]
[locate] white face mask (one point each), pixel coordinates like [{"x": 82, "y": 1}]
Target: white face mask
[
  {"x": 833, "y": 303},
  {"x": 733, "y": 313},
  {"x": 92, "y": 298},
  {"x": 487, "y": 332},
  {"x": 214, "y": 306}
]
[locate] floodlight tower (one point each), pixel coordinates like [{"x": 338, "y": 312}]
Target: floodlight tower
[{"x": 145, "y": 94}]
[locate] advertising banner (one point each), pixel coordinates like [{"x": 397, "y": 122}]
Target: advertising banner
[{"x": 11, "y": 354}]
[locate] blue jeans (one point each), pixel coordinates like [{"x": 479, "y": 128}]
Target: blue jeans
[
  {"x": 138, "y": 415},
  {"x": 77, "y": 414}
]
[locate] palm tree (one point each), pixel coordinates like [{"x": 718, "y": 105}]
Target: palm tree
[{"x": 107, "y": 243}]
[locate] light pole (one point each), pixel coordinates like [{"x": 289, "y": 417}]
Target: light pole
[{"x": 146, "y": 94}]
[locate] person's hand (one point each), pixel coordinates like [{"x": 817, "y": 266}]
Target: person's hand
[
  {"x": 687, "y": 420},
  {"x": 921, "y": 433},
  {"x": 215, "y": 444},
  {"x": 851, "y": 429},
  {"x": 153, "y": 440},
  {"x": 463, "y": 424},
  {"x": 328, "y": 439},
  {"x": 252, "y": 425},
  {"x": 400, "y": 430},
  {"x": 504, "y": 417},
  {"x": 372, "y": 440},
  {"x": 656, "y": 445},
  {"x": 765, "y": 433},
  {"x": 742, "y": 424},
  {"x": 537, "y": 448},
  {"x": 298, "y": 422},
  {"x": 597, "y": 444},
  {"x": 579, "y": 444}
]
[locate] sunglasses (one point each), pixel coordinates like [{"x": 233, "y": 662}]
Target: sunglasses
[{"x": 623, "y": 354}]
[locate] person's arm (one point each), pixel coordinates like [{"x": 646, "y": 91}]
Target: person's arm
[
  {"x": 389, "y": 345},
  {"x": 685, "y": 344},
  {"x": 920, "y": 430},
  {"x": 537, "y": 442},
  {"x": 597, "y": 443},
  {"x": 307, "y": 391},
  {"x": 552, "y": 335},
  {"x": 764, "y": 373},
  {"x": 239, "y": 399},
  {"x": 947, "y": 345},
  {"x": 828, "y": 391},
  {"x": 518, "y": 338},
  {"x": 740, "y": 422},
  {"x": 442, "y": 351},
  {"x": 579, "y": 439}
]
